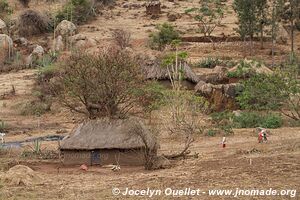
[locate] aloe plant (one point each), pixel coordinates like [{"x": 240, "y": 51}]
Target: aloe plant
[{"x": 37, "y": 146}]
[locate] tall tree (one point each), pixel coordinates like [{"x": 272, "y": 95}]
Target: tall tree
[
  {"x": 291, "y": 14},
  {"x": 276, "y": 10},
  {"x": 246, "y": 11},
  {"x": 262, "y": 15},
  {"x": 209, "y": 15}
]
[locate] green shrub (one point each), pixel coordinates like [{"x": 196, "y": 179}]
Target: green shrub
[
  {"x": 2, "y": 126},
  {"x": 212, "y": 132},
  {"x": 226, "y": 120},
  {"x": 253, "y": 119},
  {"x": 35, "y": 108},
  {"x": 47, "y": 59},
  {"x": 5, "y": 9},
  {"x": 218, "y": 117},
  {"x": 247, "y": 120},
  {"x": 77, "y": 11},
  {"x": 262, "y": 92},
  {"x": 47, "y": 72},
  {"x": 272, "y": 121},
  {"x": 245, "y": 68},
  {"x": 223, "y": 121},
  {"x": 209, "y": 62},
  {"x": 165, "y": 35}
]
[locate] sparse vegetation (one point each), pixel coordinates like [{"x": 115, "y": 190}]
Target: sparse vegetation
[
  {"x": 165, "y": 34},
  {"x": 227, "y": 120},
  {"x": 212, "y": 132},
  {"x": 252, "y": 120},
  {"x": 121, "y": 38},
  {"x": 35, "y": 107},
  {"x": 244, "y": 69},
  {"x": 5, "y": 9},
  {"x": 209, "y": 15},
  {"x": 76, "y": 11},
  {"x": 209, "y": 62},
  {"x": 2, "y": 126}
]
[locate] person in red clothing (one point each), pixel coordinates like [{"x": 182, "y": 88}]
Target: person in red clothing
[{"x": 262, "y": 136}]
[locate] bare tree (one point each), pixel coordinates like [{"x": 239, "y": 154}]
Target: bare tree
[
  {"x": 181, "y": 120},
  {"x": 101, "y": 85},
  {"x": 121, "y": 38}
]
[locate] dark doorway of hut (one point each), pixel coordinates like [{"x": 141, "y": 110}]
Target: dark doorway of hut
[{"x": 95, "y": 157}]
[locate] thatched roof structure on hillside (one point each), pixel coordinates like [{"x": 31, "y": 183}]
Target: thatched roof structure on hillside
[
  {"x": 155, "y": 71},
  {"x": 109, "y": 134}
]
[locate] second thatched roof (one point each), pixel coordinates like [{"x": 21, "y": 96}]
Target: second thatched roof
[
  {"x": 110, "y": 134},
  {"x": 154, "y": 71}
]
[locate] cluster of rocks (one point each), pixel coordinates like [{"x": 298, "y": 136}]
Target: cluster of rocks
[
  {"x": 221, "y": 96},
  {"x": 66, "y": 36}
]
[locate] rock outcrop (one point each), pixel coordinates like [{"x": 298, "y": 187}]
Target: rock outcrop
[
  {"x": 220, "y": 96},
  {"x": 66, "y": 29},
  {"x": 3, "y": 27}
]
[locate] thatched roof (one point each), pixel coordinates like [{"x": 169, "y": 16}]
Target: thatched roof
[
  {"x": 155, "y": 71},
  {"x": 109, "y": 134},
  {"x": 252, "y": 65}
]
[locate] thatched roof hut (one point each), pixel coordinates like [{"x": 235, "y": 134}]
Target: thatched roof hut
[
  {"x": 101, "y": 141},
  {"x": 155, "y": 71}
]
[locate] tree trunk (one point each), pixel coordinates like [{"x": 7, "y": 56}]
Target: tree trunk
[
  {"x": 262, "y": 36},
  {"x": 273, "y": 33},
  {"x": 292, "y": 36},
  {"x": 251, "y": 46}
]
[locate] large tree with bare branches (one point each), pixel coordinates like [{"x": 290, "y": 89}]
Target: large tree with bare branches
[{"x": 102, "y": 85}]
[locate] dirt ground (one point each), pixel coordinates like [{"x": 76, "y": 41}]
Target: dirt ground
[{"x": 273, "y": 165}]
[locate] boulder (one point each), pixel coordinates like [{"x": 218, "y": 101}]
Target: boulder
[
  {"x": 38, "y": 51},
  {"x": 58, "y": 44},
  {"x": 6, "y": 47},
  {"x": 35, "y": 56},
  {"x": 172, "y": 17},
  {"x": 131, "y": 5},
  {"x": 282, "y": 35},
  {"x": 3, "y": 28},
  {"x": 5, "y": 42},
  {"x": 82, "y": 41},
  {"x": 160, "y": 162},
  {"x": 21, "y": 41},
  {"x": 66, "y": 28},
  {"x": 204, "y": 89}
]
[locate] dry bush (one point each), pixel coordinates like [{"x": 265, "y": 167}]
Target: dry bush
[
  {"x": 25, "y": 3},
  {"x": 121, "y": 38},
  {"x": 33, "y": 23}
]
